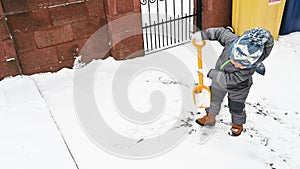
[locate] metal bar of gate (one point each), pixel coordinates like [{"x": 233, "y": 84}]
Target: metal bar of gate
[{"x": 171, "y": 27}]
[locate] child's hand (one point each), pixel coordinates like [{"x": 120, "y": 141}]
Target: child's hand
[
  {"x": 198, "y": 37},
  {"x": 260, "y": 69}
]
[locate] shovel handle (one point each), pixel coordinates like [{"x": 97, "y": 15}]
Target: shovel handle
[
  {"x": 199, "y": 52},
  {"x": 200, "y": 87}
]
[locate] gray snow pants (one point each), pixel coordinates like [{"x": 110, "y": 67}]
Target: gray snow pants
[{"x": 236, "y": 103}]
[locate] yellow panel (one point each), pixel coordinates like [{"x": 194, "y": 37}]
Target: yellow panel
[{"x": 248, "y": 14}]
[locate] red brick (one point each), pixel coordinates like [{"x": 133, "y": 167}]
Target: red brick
[
  {"x": 216, "y": 13},
  {"x": 212, "y": 15},
  {"x": 4, "y": 33},
  {"x": 7, "y": 50},
  {"x": 85, "y": 28},
  {"x": 1, "y": 11},
  {"x": 221, "y": 4},
  {"x": 29, "y": 21},
  {"x": 67, "y": 63},
  {"x": 92, "y": 56},
  {"x": 125, "y": 48},
  {"x": 118, "y": 37},
  {"x": 24, "y": 42},
  {"x": 95, "y": 47},
  {"x": 68, "y": 51},
  {"x": 95, "y": 7},
  {"x": 137, "y": 5},
  {"x": 44, "y": 3},
  {"x": 103, "y": 21},
  {"x": 205, "y": 21},
  {"x": 13, "y": 6},
  {"x": 111, "y": 7},
  {"x": 204, "y": 4},
  {"x": 41, "y": 69},
  {"x": 99, "y": 41},
  {"x": 224, "y": 17},
  {"x": 66, "y": 14},
  {"x": 124, "y": 6},
  {"x": 38, "y": 58},
  {"x": 207, "y": 5},
  {"x": 123, "y": 23},
  {"x": 9, "y": 69},
  {"x": 9, "y": 47},
  {"x": 217, "y": 18},
  {"x": 2, "y": 53},
  {"x": 53, "y": 36},
  {"x": 100, "y": 44}
]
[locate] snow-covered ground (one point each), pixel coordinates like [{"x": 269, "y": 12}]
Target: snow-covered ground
[{"x": 40, "y": 128}]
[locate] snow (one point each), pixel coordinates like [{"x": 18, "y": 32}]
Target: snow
[
  {"x": 38, "y": 116},
  {"x": 28, "y": 136}
]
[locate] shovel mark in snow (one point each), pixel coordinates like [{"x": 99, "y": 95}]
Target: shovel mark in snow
[
  {"x": 140, "y": 140},
  {"x": 172, "y": 82}
]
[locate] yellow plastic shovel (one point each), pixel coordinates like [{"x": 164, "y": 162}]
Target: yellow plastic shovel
[{"x": 200, "y": 87}]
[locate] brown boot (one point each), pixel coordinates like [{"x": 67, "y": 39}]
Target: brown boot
[
  {"x": 236, "y": 130},
  {"x": 207, "y": 120}
]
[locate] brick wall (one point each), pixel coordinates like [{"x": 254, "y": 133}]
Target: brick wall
[
  {"x": 8, "y": 58},
  {"x": 216, "y": 13},
  {"x": 45, "y": 35},
  {"x": 49, "y": 34}
]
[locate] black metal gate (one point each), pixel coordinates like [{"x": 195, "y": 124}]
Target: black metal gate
[{"x": 168, "y": 23}]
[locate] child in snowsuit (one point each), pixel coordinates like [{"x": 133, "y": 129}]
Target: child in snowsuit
[{"x": 241, "y": 57}]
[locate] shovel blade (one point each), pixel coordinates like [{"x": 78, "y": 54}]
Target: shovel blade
[{"x": 202, "y": 98}]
